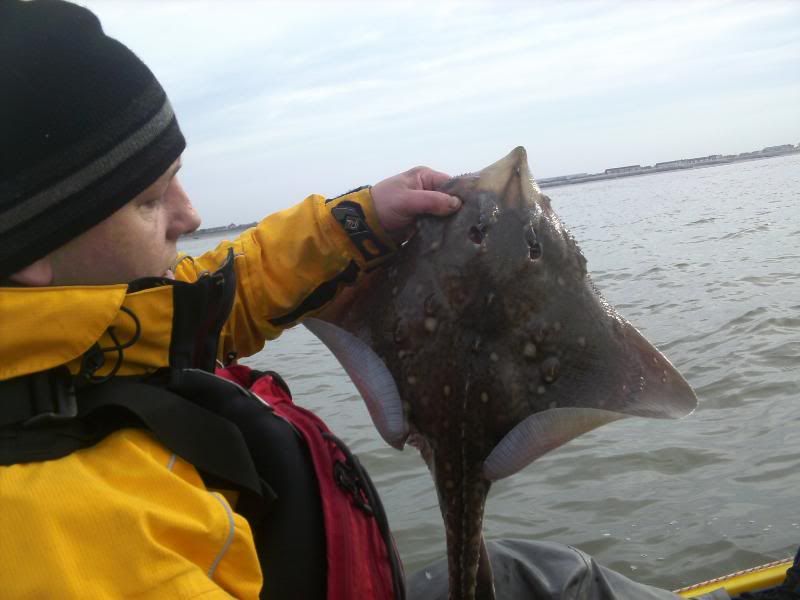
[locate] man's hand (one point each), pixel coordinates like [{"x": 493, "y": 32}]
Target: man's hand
[{"x": 399, "y": 199}]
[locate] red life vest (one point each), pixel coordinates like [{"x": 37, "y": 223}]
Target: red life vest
[{"x": 361, "y": 556}]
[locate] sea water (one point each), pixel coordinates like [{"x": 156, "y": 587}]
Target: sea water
[{"x": 706, "y": 263}]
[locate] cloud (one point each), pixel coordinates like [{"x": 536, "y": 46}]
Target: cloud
[{"x": 269, "y": 83}]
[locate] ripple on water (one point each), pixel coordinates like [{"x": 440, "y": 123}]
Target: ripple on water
[{"x": 705, "y": 221}]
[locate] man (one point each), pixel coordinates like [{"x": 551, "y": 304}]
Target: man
[
  {"x": 101, "y": 502},
  {"x": 127, "y": 469}
]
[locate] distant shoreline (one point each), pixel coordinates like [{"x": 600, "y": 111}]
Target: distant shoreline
[
  {"x": 714, "y": 160},
  {"x": 673, "y": 165},
  {"x": 232, "y": 228}
]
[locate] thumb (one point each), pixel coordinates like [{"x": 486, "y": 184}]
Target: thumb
[
  {"x": 431, "y": 179},
  {"x": 430, "y": 202}
]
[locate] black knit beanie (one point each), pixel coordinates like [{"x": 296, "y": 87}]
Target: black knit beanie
[{"x": 84, "y": 127}]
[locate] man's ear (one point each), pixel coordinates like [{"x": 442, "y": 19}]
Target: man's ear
[{"x": 36, "y": 274}]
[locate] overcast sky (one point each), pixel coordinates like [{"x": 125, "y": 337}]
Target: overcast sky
[{"x": 280, "y": 100}]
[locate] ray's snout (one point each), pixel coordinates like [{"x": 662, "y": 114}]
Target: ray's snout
[{"x": 510, "y": 181}]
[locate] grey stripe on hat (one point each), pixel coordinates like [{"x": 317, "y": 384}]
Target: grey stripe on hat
[
  {"x": 99, "y": 139},
  {"x": 39, "y": 203}
]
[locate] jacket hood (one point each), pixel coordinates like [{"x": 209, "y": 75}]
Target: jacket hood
[{"x": 128, "y": 329}]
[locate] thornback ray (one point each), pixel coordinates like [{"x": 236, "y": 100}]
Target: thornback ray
[{"x": 485, "y": 344}]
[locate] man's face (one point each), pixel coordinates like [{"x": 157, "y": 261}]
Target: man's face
[{"x": 139, "y": 240}]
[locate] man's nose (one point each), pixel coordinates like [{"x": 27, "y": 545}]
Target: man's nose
[{"x": 183, "y": 218}]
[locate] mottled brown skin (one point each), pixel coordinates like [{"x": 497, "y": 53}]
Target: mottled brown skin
[{"x": 487, "y": 317}]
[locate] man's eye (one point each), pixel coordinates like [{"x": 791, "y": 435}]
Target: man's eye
[{"x": 149, "y": 204}]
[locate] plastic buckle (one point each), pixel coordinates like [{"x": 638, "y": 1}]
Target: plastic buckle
[
  {"x": 52, "y": 398},
  {"x": 350, "y": 482}
]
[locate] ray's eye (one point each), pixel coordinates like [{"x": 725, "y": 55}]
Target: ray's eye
[
  {"x": 476, "y": 234},
  {"x": 534, "y": 246}
]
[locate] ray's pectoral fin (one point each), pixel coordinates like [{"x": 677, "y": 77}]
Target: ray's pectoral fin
[
  {"x": 635, "y": 379},
  {"x": 652, "y": 386},
  {"x": 539, "y": 433},
  {"x": 370, "y": 376}
]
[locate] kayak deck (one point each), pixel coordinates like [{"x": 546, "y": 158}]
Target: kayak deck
[{"x": 747, "y": 580}]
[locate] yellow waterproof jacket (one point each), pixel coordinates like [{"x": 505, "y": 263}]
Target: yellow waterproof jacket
[{"x": 126, "y": 518}]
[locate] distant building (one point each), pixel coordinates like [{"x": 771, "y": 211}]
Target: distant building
[
  {"x": 669, "y": 163},
  {"x": 562, "y": 178},
  {"x": 688, "y": 162},
  {"x": 781, "y": 148},
  {"x": 703, "y": 159},
  {"x": 627, "y": 169}
]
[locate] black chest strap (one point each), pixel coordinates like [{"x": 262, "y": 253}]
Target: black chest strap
[{"x": 43, "y": 417}]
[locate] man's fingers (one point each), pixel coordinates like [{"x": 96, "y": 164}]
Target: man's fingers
[
  {"x": 431, "y": 179},
  {"x": 399, "y": 199}
]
